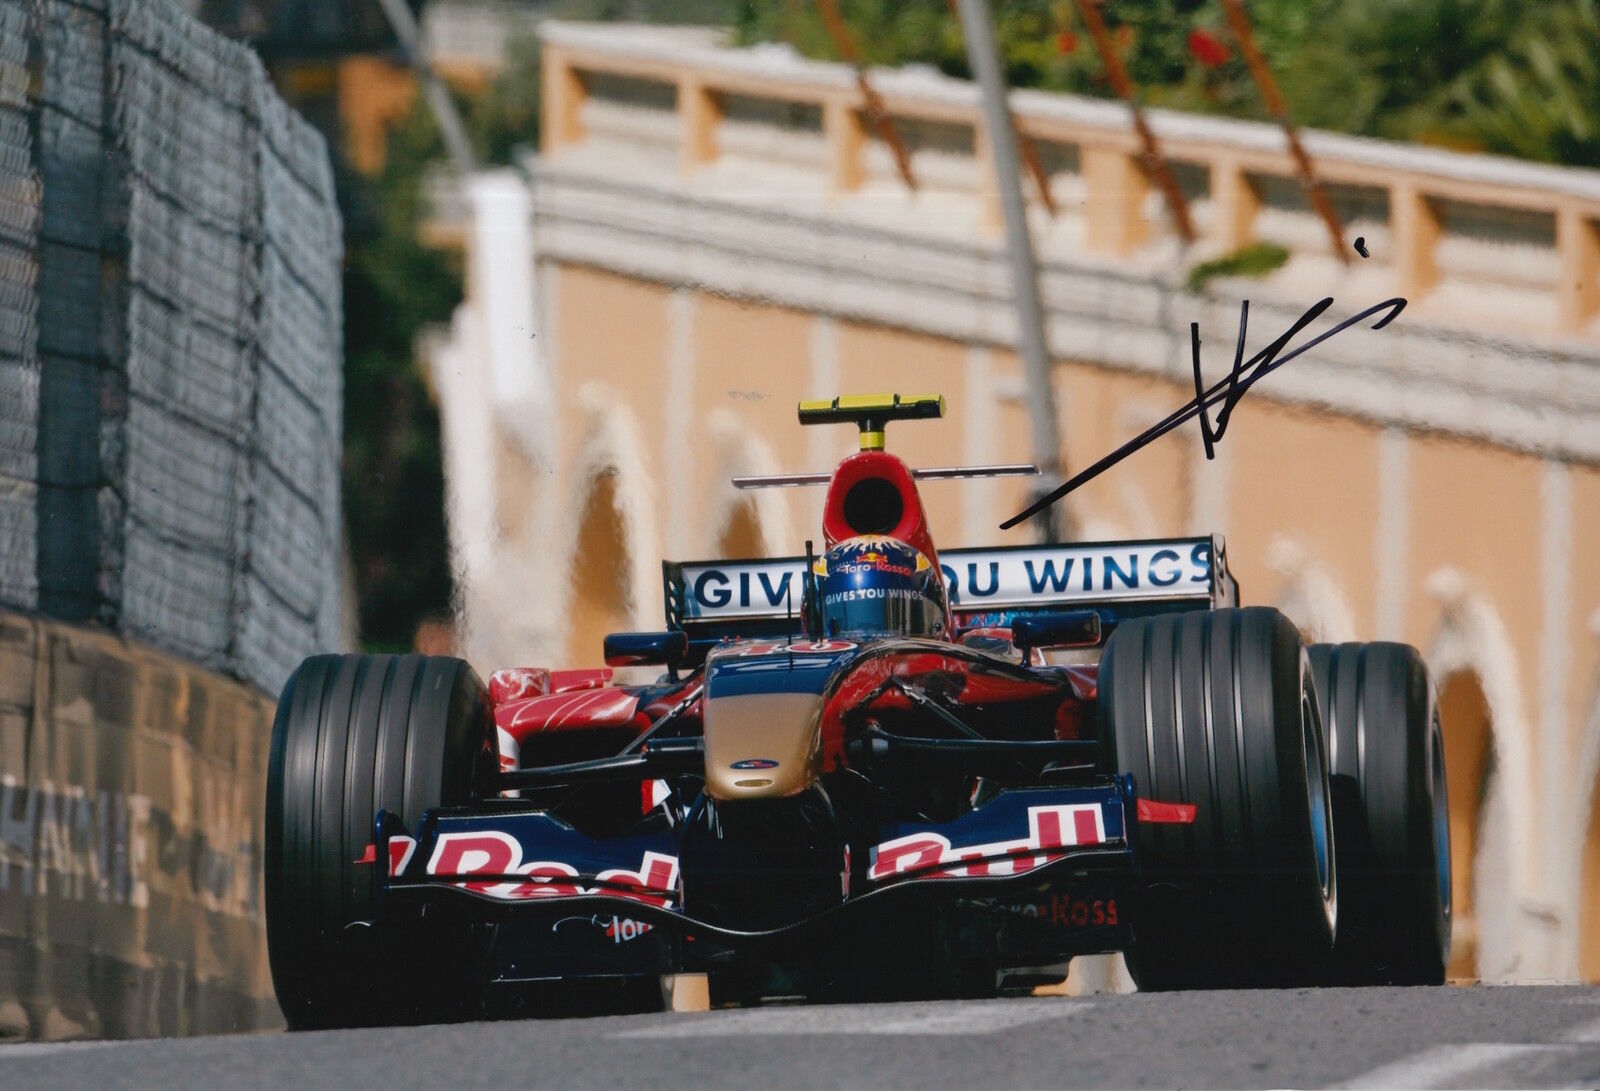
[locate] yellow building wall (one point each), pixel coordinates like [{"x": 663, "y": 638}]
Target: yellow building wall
[
  {"x": 1312, "y": 477},
  {"x": 1010, "y": 440},
  {"x": 1477, "y": 508},
  {"x": 614, "y": 333},
  {"x": 1583, "y": 679},
  {"x": 754, "y": 362},
  {"x": 1583, "y": 691},
  {"x": 1146, "y": 495}
]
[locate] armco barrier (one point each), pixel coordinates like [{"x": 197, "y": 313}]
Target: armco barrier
[{"x": 131, "y": 802}]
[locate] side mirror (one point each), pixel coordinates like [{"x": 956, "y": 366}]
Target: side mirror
[
  {"x": 646, "y": 649},
  {"x": 1072, "y": 629}
]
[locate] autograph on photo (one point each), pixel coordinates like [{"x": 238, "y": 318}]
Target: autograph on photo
[{"x": 1227, "y": 392}]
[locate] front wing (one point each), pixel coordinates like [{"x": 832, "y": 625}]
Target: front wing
[{"x": 1039, "y": 870}]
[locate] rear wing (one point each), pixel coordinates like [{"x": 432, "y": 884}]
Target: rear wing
[{"x": 715, "y": 600}]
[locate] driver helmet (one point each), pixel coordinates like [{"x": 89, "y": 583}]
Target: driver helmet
[{"x": 873, "y": 585}]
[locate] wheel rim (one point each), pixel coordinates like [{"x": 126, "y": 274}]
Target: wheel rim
[
  {"x": 1441, "y": 814},
  {"x": 1317, "y": 789}
]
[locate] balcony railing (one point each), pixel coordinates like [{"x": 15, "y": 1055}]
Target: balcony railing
[{"x": 1445, "y": 219}]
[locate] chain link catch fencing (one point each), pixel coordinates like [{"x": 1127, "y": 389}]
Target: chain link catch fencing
[{"x": 170, "y": 356}]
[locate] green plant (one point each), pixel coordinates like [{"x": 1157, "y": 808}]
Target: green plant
[
  {"x": 1255, "y": 260},
  {"x": 1503, "y": 76}
]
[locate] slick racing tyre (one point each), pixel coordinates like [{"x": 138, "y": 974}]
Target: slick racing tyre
[
  {"x": 1216, "y": 709},
  {"x": 356, "y": 734},
  {"x": 1391, "y": 816}
]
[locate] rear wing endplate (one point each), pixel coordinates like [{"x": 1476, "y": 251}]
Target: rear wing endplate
[{"x": 715, "y": 600}]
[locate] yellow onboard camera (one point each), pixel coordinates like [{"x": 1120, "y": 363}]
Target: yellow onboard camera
[{"x": 872, "y": 412}]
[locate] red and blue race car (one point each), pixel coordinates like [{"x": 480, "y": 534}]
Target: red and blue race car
[{"x": 876, "y": 771}]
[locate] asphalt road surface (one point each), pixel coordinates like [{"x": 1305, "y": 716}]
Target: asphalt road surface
[{"x": 1446, "y": 1037}]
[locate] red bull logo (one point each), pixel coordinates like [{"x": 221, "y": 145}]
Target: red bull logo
[
  {"x": 1051, "y": 830},
  {"x": 499, "y": 855}
]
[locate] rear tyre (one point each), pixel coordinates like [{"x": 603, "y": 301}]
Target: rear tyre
[
  {"x": 355, "y": 734},
  {"x": 1217, "y": 709},
  {"x": 1391, "y": 815}
]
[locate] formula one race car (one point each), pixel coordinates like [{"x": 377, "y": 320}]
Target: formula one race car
[{"x": 884, "y": 771}]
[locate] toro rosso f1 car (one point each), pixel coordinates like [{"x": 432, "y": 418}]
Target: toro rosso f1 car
[{"x": 878, "y": 771}]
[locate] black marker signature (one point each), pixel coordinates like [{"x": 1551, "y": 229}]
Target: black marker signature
[{"x": 1228, "y": 391}]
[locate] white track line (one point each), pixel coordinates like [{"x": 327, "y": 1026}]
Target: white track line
[
  {"x": 20, "y": 1050},
  {"x": 945, "y": 1020},
  {"x": 1441, "y": 1066}
]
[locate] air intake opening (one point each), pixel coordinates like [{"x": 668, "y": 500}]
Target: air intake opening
[{"x": 873, "y": 506}]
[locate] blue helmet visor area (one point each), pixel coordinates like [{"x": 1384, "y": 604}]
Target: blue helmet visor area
[
  {"x": 876, "y": 610},
  {"x": 878, "y": 586}
]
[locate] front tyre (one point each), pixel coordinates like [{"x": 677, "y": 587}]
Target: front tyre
[
  {"x": 1390, "y": 812},
  {"x": 356, "y": 734},
  {"x": 1217, "y": 709}
]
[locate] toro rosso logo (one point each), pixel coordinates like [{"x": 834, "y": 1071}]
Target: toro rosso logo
[
  {"x": 489, "y": 852},
  {"x": 928, "y": 855},
  {"x": 618, "y": 930}
]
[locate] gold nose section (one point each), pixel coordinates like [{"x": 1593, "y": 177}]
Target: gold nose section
[{"x": 762, "y": 745}]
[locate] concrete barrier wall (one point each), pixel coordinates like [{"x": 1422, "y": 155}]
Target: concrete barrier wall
[{"x": 131, "y": 802}]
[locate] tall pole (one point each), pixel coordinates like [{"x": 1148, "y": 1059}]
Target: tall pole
[
  {"x": 1025, "y": 145},
  {"x": 404, "y": 25},
  {"x": 984, "y": 58}
]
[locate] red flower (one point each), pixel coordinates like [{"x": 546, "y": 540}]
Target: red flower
[
  {"x": 1066, "y": 42},
  {"x": 1206, "y": 49}
]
